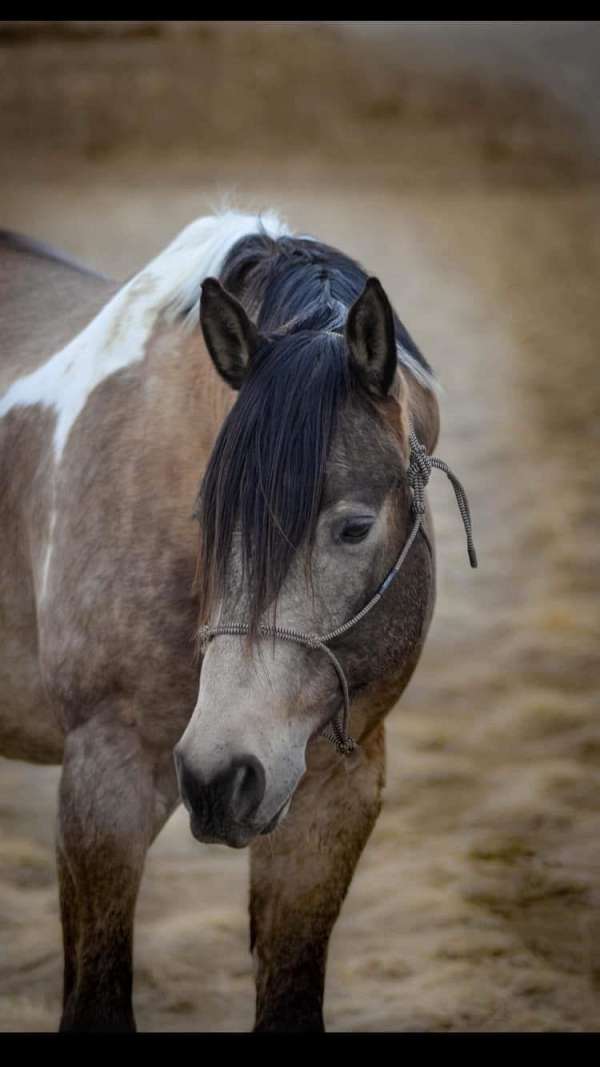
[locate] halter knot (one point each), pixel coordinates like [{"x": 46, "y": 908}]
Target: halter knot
[
  {"x": 313, "y": 641},
  {"x": 418, "y": 473},
  {"x": 346, "y": 747}
]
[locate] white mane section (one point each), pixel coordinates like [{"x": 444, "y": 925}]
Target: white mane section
[
  {"x": 423, "y": 376},
  {"x": 117, "y": 336},
  {"x": 214, "y": 236}
]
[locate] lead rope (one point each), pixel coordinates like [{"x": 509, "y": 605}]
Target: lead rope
[
  {"x": 419, "y": 470},
  {"x": 418, "y": 474}
]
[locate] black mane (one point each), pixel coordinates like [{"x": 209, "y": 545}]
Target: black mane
[
  {"x": 289, "y": 278},
  {"x": 266, "y": 474}
]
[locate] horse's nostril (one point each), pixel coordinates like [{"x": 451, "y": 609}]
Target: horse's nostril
[
  {"x": 232, "y": 796},
  {"x": 245, "y": 787}
]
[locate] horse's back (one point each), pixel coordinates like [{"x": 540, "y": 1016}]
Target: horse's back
[{"x": 45, "y": 299}]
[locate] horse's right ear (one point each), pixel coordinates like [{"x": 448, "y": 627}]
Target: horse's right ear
[
  {"x": 231, "y": 337},
  {"x": 371, "y": 339}
]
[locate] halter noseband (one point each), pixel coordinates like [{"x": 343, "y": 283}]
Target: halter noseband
[{"x": 418, "y": 473}]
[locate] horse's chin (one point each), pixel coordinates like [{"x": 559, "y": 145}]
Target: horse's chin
[
  {"x": 234, "y": 836},
  {"x": 238, "y": 836}
]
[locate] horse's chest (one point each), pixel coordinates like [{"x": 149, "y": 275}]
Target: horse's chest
[{"x": 120, "y": 619}]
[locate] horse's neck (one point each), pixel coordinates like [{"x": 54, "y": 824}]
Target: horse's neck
[
  {"x": 181, "y": 397},
  {"x": 170, "y": 406}
]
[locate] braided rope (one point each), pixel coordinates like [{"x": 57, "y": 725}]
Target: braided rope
[
  {"x": 418, "y": 474},
  {"x": 419, "y": 471}
]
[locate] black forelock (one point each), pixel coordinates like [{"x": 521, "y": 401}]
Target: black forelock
[{"x": 266, "y": 473}]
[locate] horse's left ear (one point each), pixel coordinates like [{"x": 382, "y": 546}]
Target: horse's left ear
[
  {"x": 231, "y": 337},
  {"x": 371, "y": 338}
]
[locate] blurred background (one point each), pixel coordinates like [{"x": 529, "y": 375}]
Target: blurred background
[{"x": 460, "y": 162}]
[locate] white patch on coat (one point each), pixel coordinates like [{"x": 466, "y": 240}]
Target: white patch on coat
[
  {"x": 49, "y": 546},
  {"x": 169, "y": 285}
]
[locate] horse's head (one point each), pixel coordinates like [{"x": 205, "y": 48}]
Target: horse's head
[{"x": 303, "y": 509}]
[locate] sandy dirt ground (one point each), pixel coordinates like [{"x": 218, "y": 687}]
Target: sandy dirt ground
[{"x": 476, "y": 905}]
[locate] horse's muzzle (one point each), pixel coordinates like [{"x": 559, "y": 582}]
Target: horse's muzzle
[{"x": 223, "y": 808}]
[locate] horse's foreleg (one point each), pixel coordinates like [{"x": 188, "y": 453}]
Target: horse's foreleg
[
  {"x": 107, "y": 818},
  {"x": 299, "y": 878},
  {"x": 68, "y": 911}
]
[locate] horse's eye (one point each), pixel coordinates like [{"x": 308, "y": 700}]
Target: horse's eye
[{"x": 354, "y": 530}]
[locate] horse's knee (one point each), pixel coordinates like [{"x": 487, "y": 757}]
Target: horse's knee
[{"x": 106, "y": 791}]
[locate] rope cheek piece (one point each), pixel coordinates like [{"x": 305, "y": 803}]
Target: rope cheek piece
[{"x": 418, "y": 473}]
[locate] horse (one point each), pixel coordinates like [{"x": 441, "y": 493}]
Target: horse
[{"x": 220, "y": 446}]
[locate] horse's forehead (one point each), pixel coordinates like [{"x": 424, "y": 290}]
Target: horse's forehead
[{"x": 365, "y": 456}]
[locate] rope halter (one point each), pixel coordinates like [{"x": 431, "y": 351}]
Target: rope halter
[{"x": 418, "y": 473}]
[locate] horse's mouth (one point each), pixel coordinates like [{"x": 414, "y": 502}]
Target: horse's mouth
[
  {"x": 236, "y": 836},
  {"x": 277, "y": 818},
  {"x": 233, "y": 837}
]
